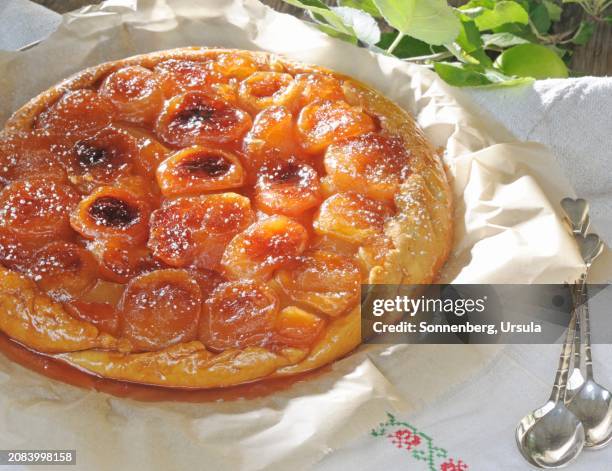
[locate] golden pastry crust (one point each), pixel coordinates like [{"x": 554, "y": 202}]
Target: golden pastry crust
[{"x": 420, "y": 236}]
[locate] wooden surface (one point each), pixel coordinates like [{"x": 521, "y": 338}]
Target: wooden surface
[{"x": 593, "y": 59}]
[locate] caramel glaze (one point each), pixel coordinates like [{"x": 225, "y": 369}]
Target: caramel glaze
[{"x": 60, "y": 371}]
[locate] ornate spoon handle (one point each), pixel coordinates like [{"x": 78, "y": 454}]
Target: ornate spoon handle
[
  {"x": 558, "y": 391},
  {"x": 586, "y": 328}
]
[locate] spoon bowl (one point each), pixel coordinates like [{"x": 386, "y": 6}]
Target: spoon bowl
[
  {"x": 592, "y": 403},
  {"x": 551, "y": 436}
]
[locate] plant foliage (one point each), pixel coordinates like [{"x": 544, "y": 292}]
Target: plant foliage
[{"x": 479, "y": 43}]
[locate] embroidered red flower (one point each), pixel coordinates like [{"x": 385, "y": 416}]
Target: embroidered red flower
[
  {"x": 450, "y": 465},
  {"x": 404, "y": 438}
]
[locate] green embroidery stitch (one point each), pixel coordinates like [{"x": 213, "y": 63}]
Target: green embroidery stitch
[{"x": 410, "y": 438}]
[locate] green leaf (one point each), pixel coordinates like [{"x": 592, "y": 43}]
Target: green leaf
[
  {"x": 469, "y": 36},
  {"x": 432, "y": 21},
  {"x": 407, "y": 47},
  {"x": 365, "y": 5},
  {"x": 554, "y": 10},
  {"x": 503, "y": 40},
  {"x": 583, "y": 33},
  {"x": 461, "y": 75},
  {"x": 488, "y": 4},
  {"x": 540, "y": 18},
  {"x": 531, "y": 60},
  {"x": 470, "y": 42},
  {"x": 365, "y": 27},
  {"x": 469, "y": 75},
  {"x": 503, "y": 12},
  {"x": 334, "y": 33},
  {"x": 318, "y": 8},
  {"x": 608, "y": 19}
]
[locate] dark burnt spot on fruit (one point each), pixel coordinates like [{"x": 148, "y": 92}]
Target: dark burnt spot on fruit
[
  {"x": 113, "y": 212},
  {"x": 206, "y": 165},
  {"x": 90, "y": 156},
  {"x": 195, "y": 115},
  {"x": 288, "y": 173}
]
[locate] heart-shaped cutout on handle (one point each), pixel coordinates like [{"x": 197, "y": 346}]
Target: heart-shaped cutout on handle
[
  {"x": 590, "y": 246},
  {"x": 577, "y": 211}
]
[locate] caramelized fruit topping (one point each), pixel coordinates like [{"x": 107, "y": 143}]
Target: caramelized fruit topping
[
  {"x": 352, "y": 217},
  {"x": 194, "y": 231},
  {"x": 238, "y": 314},
  {"x": 263, "y": 89},
  {"x": 264, "y": 247},
  {"x": 178, "y": 76},
  {"x": 37, "y": 209},
  {"x": 119, "y": 262},
  {"x": 298, "y": 328},
  {"x": 64, "y": 270},
  {"x": 270, "y": 140},
  {"x": 199, "y": 169},
  {"x": 288, "y": 188},
  {"x": 323, "y": 123},
  {"x": 196, "y": 118},
  {"x": 102, "y": 158},
  {"x": 160, "y": 308},
  {"x": 75, "y": 114},
  {"x": 131, "y": 203},
  {"x": 135, "y": 92},
  {"x": 323, "y": 281},
  {"x": 29, "y": 154},
  {"x": 371, "y": 164},
  {"x": 111, "y": 213}
]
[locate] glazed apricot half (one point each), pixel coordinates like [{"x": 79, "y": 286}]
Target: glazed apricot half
[
  {"x": 263, "y": 89},
  {"x": 111, "y": 212},
  {"x": 352, "y": 217},
  {"x": 288, "y": 188},
  {"x": 37, "y": 209},
  {"x": 323, "y": 123},
  {"x": 151, "y": 152},
  {"x": 271, "y": 139},
  {"x": 102, "y": 158},
  {"x": 119, "y": 261},
  {"x": 263, "y": 247},
  {"x": 298, "y": 328},
  {"x": 194, "y": 231},
  {"x": 16, "y": 253},
  {"x": 64, "y": 270},
  {"x": 199, "y": 169},
  {"x": 160, "y": 308},
  {"x": 322, "y": 280},
  {"x": 75, "y": 114},
  {"x": 197, "y": 118},
  {"x": 232, "y": 65},
  {"x": 27, "y": 154},
  {"x": 135, "y": 93},
  {"x": 371, "y": 164},
  {"x": 318, "y": 87},
  {"x": 102, "y": 315},
  {"x": 238, "y": 314},
  {"x": 179, "y": 76}
]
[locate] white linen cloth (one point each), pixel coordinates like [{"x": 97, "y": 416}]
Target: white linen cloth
[{"x": 475, "y": 422}]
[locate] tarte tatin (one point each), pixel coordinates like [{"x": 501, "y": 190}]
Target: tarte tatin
[{"x": 199, "y": 218}]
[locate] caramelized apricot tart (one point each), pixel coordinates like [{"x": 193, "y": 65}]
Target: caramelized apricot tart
[{"x": 200, "y": 218}]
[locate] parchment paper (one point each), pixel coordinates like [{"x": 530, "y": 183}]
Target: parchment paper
[{"x": 508, "y": 231}]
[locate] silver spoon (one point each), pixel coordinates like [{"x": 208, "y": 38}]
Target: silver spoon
[
  {"x": 577, "y": 215},
  {"x": 552, "y": 436},
  {"x": 591, "y": 402}
]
